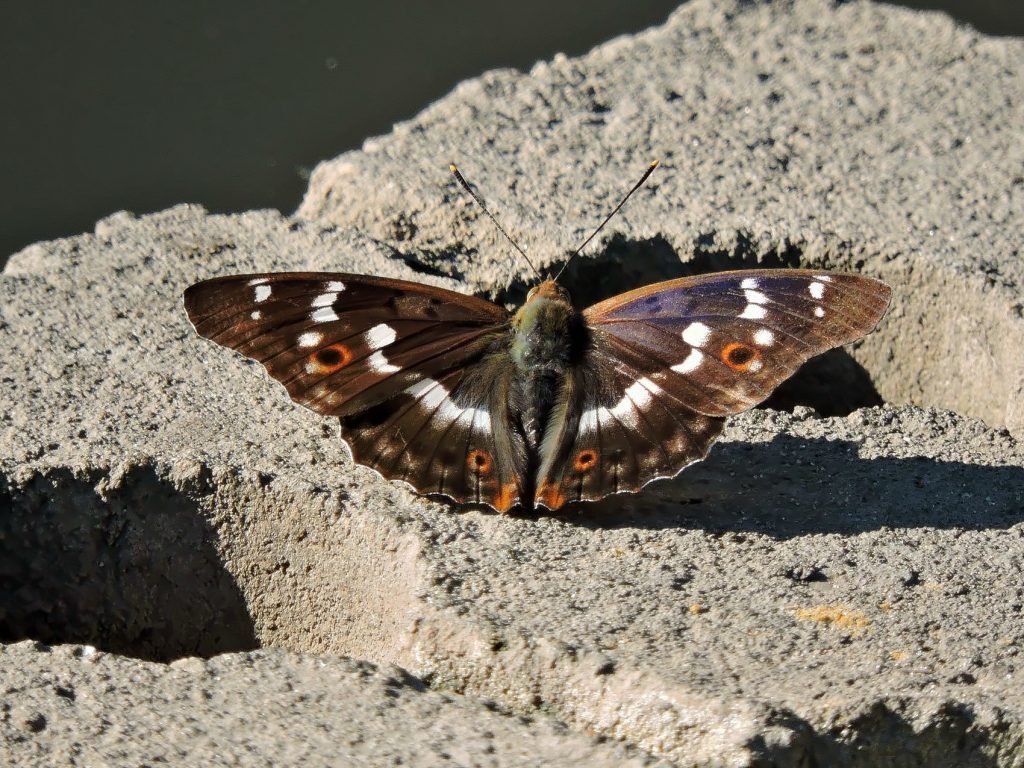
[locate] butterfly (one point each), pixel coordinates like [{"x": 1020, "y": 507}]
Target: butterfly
[{"x": 455, "y": 395}]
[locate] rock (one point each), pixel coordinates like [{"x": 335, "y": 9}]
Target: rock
[
  {"x": 820, "y": 590},
  {"x": 261, "y": 708}
]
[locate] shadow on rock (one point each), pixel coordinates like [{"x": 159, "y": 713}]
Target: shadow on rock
[
  {"x": 884, "y": 736},
  {"x": 134, "y": 570},
  {"x": 796, "y": 486}
]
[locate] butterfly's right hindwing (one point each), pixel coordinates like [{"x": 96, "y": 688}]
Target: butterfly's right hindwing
[
  {"x": 450, "y": 435},
  {"x": 617, "y": 433}
]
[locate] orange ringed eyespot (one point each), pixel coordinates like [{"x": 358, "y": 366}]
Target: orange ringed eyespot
[
  {"x": 329, "y": 359},
  {"x": 585, "y": 460},
  {"x": 739, "y": 356},
  {"x": 479, "y": 461}
]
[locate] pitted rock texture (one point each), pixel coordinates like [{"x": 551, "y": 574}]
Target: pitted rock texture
[
  {"x": 831, "y": 591},
  {"x": 307, "y": 711}
]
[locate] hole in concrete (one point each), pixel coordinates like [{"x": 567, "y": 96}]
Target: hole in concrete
[
  {"x": 164, "y": 566},
  {"x": 135, "y": 571},
  {"x": 834, "y": 384}
]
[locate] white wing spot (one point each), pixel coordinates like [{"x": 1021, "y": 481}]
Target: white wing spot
[
  {"x": 755, "y": 297},
  {"x": 263, "y": 293},
  {"x": 310, "y": 339},
  {"x": 380, "y": 336},
  {"x": 749, "y": 283},
  {"x": 755, "y": 365},
  {"x": 640, "y": 391},
  {"x": 819, "y": 312},
  {"x": 324, "y": 315},
  {"x": 380, "y": 364},
  {"x": 625, "y": 411},
  {"x": 422, "y": 386},
  {"x": 258, "y": 281},
  {"x": 823, "y": 278},
  {"x": 433, "y": 395},
  {"x": 764, "y": 338},
  {"x": 753, "y": 312},
  {"x": 696, "y": 334},
  {"x": 334, "y": 286},
  {"x": 817, "y": 290},
  {"x": 479, "y": 418},
  {"x": 256, "y": 314},
  {"x": 592, "y": 417},
  {"x": 691, "y": 363},
  {"x": 324, "y": 300},
  {"x": 588, "y": 422}
]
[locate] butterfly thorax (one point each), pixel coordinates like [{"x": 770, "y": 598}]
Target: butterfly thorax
[
  {"x": 543, "y": 331},
  {"x": 550, "y": 337}
]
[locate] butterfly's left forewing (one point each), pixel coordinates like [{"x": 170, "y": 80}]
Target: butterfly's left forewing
[
  {"x": 412, "y": 371},
  {"x": 671, "y": 360}
]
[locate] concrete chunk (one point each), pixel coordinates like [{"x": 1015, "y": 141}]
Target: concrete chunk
[{"x": 832, "y": 591}]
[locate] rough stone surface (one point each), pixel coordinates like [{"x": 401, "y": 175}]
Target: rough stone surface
[
  {"x": 820, "y": 591},
  {"x": 74, "y": 705}
]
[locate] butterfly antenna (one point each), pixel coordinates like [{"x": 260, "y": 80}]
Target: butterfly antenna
[
  {"x": 648, "y": 172},
  {"x": 465, "y": 185}
]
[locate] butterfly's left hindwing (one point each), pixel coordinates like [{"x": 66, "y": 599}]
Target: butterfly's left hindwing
[
  {"x": 668, "y": 361},
  {"x": 413, "y": 371}
]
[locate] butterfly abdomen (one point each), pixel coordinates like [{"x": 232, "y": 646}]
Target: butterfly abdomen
[{"x": 550, "y": 338}]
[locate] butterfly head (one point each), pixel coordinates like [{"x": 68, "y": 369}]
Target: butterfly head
[{"x": 550, "y": 291}]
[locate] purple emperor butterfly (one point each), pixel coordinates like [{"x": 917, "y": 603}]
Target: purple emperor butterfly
[{"x": 545, "y": 406}]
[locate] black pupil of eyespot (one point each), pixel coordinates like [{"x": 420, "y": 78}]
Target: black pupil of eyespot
[
  {"x": 740, "y": 355},
  {"x": 329, "y": 356}
]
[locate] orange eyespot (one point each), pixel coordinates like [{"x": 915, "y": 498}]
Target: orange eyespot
[
  {"x": 479, "y": 461},
  {"x": 740, "y": 357},
  {"x": 329, "y": 359},
  {"x": 585, "y": 460}
]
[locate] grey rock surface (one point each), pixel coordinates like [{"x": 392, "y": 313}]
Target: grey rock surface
[
  {"x": 830, "y": 591},
  {"x": 74, "y": 705}
]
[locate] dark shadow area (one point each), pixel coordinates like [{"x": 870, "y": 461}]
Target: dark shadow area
[
  {"x": 425, "y": 262},
  {"x": 134, "y": 570},
  {"x": 231, "y": 106},
  {"x": 796, "y": 486},
  {"x": 833, "y": 384},
  {"x": 882, "y": 737}
]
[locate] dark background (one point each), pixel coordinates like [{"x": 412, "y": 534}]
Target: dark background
[{"x": 230, "y": 104}]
